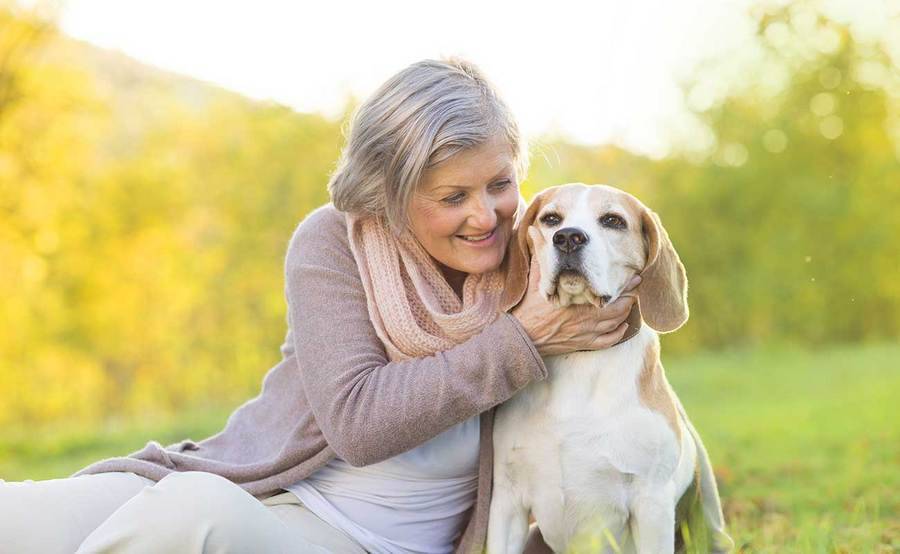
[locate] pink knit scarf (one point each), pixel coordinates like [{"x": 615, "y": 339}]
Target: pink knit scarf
[{"x": 414, "y": 310}]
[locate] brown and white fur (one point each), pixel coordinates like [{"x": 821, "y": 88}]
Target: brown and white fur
[{"x": 601, "y": 451}]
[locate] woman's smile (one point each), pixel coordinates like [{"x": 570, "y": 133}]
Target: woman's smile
[{"x": 486, "y": 239}]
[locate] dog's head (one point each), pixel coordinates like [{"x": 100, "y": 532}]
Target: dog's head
[{"x": 588, "y": 242}]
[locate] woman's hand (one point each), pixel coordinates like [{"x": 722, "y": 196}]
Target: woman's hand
[{"x": 556, "y": 330}]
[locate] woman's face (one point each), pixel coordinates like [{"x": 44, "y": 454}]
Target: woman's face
[{"x": 463, "y": 209}]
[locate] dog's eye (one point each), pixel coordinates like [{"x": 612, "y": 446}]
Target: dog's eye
[
  {"x": 612, "y": 221},
  {"x": 551, "y": 219}
]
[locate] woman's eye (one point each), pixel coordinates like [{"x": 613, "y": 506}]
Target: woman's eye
[
  {"x": 455, "y": 199},
  {"x": 612, "y": 221},
  {"x": 501, "y": 185},
  {"x": 551, "y": 219}
]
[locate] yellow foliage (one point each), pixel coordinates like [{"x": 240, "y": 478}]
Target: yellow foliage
[{"x": 144, "y": 217}]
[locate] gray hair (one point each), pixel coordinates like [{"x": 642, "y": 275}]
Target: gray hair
[{"x": 420, "y": 117}]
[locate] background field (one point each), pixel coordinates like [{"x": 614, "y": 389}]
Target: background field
[{"x": 144, "y": 217}]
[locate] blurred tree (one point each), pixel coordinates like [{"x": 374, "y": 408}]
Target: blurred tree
[
  {"x": 145, "y": 222},
  {"x": 49, "y": 121},
  {"x": 787, "y": 214},
  {"x": 144, "y": 216}
]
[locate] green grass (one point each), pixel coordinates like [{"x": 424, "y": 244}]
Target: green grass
[
  {"x": 806, "y": 445},
  {"x": 62, "y": 450}
]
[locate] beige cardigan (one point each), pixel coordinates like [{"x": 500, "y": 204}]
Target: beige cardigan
[{"x": 334, "y": 392}]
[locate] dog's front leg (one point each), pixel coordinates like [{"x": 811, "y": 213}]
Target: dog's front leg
[
  {"x": 653, "y": 522},
  {"x": 508, "y": 523}
]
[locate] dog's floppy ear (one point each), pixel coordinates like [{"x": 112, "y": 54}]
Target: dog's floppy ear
[
  {"x": 518, "y": 254},
  {"x": 663, "y": 289}
]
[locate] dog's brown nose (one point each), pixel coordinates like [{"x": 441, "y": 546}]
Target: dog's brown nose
[{"x": 569, "y": 240}]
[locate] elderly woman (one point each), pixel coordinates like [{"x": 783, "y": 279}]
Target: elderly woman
[{"x": 373, "y": 433}]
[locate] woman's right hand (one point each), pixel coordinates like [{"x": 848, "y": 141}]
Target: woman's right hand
[{"x": 555, "y": 330}]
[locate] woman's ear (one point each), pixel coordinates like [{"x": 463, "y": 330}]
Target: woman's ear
[
  {"x": 518, "y": 253},
  {"x": 663, "y": 289}
]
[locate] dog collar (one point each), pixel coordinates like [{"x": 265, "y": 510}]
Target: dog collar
[{"x": 634, "y": 322}]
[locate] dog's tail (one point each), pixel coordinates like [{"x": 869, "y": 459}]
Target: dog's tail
[{"x": 708, "y": 494}]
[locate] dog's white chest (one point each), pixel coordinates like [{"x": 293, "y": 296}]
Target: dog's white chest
[{"x": 576, "y": 441}]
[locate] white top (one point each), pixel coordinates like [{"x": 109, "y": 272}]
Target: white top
[{"x": 412, "y": 503}]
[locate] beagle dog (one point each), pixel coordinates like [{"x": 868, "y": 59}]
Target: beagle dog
[{"x": 601, "y": 452}]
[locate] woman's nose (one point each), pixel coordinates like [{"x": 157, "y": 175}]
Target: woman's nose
[{"x": 484, "y": 216}]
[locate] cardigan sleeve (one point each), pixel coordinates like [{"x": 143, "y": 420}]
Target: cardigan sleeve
[{"x": 368, "y": 407}]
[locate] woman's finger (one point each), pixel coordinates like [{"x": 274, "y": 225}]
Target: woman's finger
[
  {"x": 635, "y": 281},
  {"x": 609, "y": 339},
  {"x": 622, "y": 305},
  {"x": 609, "y": 325}
]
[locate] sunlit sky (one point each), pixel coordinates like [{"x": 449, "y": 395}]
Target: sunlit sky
[{"x": 594, "y": 72}]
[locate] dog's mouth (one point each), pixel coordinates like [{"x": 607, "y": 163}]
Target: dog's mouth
[{"x": 570, "y": 286}]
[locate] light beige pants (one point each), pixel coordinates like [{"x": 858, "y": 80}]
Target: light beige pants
[{"x": 190, "y": 512}]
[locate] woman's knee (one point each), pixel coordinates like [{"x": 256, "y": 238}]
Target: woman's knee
[
  {"x": 204, "y": 498},
  {"x": 185, "y": 508},
  {"x": 71, "y": 507}
]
